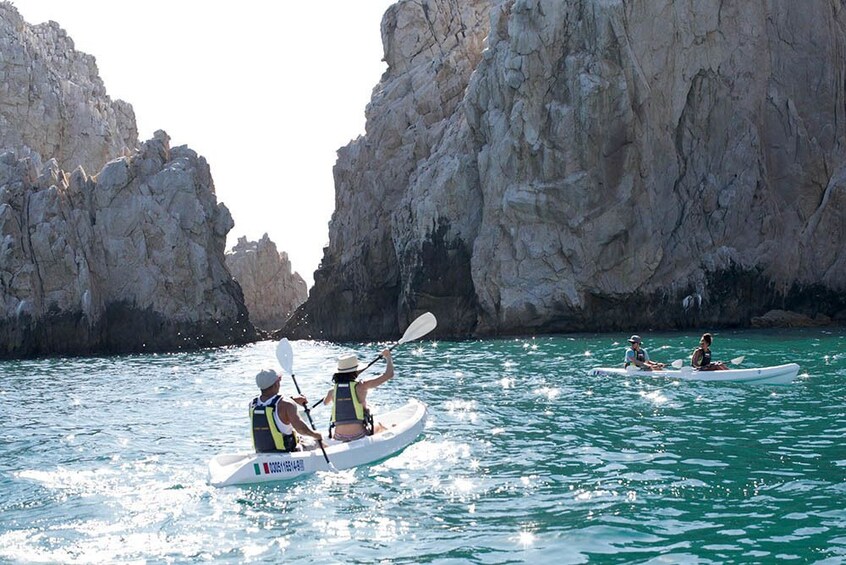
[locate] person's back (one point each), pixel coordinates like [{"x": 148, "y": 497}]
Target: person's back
[
  {"x": 274, "y": 420},
  {"x": 269, "y": 434},
  {"x": 351, "y": 418}
]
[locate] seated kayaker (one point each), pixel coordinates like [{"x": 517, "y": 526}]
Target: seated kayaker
[
  {"x": 275, "y": 421},
  {"x": 351, "y": 419},
  {"x": 637, "y": 356},
  {"x": 701, "y": 358}
]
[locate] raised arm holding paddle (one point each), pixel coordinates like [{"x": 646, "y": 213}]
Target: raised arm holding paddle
[{"x": 351, "y": 419}]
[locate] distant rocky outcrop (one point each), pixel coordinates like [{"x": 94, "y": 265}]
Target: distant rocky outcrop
[
  {"x": 129, "y": 260},
  {"x": 271, "y": 290},
  {"x": 52, "y": 100},
  {"x": 537, "y": 166}
]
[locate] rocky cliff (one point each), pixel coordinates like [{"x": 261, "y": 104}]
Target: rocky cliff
[
  {"x": 52, "y": 100},
  {"x": 534, "y": 166},
  {"x": 128, "y": 260},
  {"x": 272, "y": 291}
]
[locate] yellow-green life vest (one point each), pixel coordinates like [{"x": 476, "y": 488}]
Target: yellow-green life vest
[
  {"x": 347, "y": 409},
  {"x": 267, "y": 438}
]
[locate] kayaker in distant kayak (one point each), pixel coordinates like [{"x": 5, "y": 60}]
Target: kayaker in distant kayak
[
  {"x": 351, "y": 419},
  {"x": 636, "y": 355},
  {"x": 701, "y": 358},
  {"x": 275, "y": 421}
]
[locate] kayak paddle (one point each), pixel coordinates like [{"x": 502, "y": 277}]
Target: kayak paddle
[
  {"x": 677, "y": 364},
  {"x": 424, "y": 324},
  {"x": 418, "y": 328},
  {"x": 285, "y": 355}
]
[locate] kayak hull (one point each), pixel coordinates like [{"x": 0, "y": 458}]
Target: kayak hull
[
  {"x": 403, "y": 425},
  {"x": 777, "y": 375}
]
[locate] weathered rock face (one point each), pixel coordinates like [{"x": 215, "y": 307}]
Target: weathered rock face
[
  {"x": 129, "y": 260},
  {"x": 52, "y": 100},
  {"x": 271, "y": 290},
  {"x": 590, "y": 166},
  {"x": 406, "y": 206}
]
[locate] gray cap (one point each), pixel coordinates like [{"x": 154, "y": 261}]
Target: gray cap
[
  {"x": 266, "y": 378},
  {"x": 634, "y": 339}
]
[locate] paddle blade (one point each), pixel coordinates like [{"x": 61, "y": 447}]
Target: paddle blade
[
  {"x": 677, "y": 364},
  {"x": 738, "y": 360},
  {"x": 419, "y": 327},
  {"x": 285, "y": 355}
]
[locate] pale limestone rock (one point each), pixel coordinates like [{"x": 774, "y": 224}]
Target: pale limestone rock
[
  {"x": 431, "y": 49},
  {"x": 129, "y": 260},
  {"x": 667, "y": 160},
  {"x": 53, "y": 103},
  {"x": 271, "y": 290},
  {"x": 589, "y": 165}
]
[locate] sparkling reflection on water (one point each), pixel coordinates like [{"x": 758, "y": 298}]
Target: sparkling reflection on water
[{"x": 525, "y": 458}]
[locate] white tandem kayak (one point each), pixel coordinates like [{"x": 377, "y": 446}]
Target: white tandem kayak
[
  {"x": 778, "y": 375},
  {"x": 403, "y": 425}
]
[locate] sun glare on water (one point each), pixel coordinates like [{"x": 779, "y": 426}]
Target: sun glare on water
[
  {"x": 656, "y": 397},
  {"x": 526, "y": 539}
]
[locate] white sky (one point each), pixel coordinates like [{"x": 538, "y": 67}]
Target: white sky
[{"x": 267, "y": 91}]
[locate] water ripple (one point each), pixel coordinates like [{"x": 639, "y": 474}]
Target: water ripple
[{"x": 526, "y": 457}]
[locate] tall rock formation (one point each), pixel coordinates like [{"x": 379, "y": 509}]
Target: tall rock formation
[
  {"x": 129, "y": 260},
  {"x": 52, "y": 100},
  {"x": 380, "y": 257},
  {"x": 272, "y": 291},
  {"x": 592, "y": 165}
]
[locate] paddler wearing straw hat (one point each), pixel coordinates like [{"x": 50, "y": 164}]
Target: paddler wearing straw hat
[{"x": 351, "y": 420}]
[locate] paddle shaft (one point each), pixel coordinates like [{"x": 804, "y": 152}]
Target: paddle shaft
[
  {"x": 310, "y": 421},
  {"x": 391, "y": 348},
  {"x": 678, "y": 363},
  {"x": 417, "y": 329}
]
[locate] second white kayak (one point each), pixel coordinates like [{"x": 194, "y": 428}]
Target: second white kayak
[{"x": 777, "y": 375}]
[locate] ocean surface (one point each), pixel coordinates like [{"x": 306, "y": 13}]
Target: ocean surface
[{"x": 526, "y": 458}]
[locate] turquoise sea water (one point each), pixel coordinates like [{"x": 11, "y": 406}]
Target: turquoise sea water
[{"x": 525, "y": 458}]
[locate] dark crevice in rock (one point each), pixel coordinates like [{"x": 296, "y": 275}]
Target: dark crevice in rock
[{"x": 441, "y": 283}]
